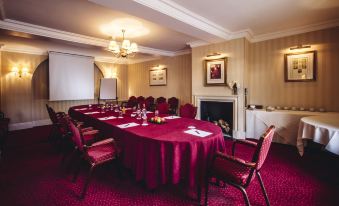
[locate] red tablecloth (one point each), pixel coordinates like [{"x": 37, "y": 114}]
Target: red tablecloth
[{"x": 159, "y": 154}]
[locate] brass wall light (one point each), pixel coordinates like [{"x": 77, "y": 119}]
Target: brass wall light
[
  {"x": 20, "y": 72},
  {"x": 300, "y": 46}
]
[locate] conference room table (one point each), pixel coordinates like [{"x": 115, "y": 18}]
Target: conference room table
[{"x": 170, "y": 153}]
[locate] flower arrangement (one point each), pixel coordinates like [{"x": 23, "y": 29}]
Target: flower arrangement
[
  {"x": 157, "y": 120},
  {"x": 234, "y": 85}
]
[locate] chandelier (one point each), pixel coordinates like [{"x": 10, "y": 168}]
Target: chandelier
[{"x": 126, "y": 49}]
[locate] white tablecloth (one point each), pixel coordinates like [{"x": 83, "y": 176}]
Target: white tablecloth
[
  {"x": 285, "y": 121},
  {"x": 321, "y": 129}
]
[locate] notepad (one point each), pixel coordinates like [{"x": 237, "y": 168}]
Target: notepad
[
  {"x": 172, "y": 117},
  {"x": 91, "y": 112},
  {"x": 127, "y": 125},
  {"x": 107, "y": 118},
  {"x": 198, "y": 133},
  {"x": 80, "y": 109}
]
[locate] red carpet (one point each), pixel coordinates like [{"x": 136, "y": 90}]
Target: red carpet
[{"x": 30, "y": 175}]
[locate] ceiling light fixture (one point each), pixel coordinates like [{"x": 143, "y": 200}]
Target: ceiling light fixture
[
  {"x": 300, "y": 46},
  {"x": 126, "y": 49}
]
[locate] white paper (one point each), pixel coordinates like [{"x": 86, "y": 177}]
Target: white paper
[
  {"x": 198, "y": 133},
  {"x": 127, "y": 125},
  {"x": 172, "y": 117},
  {"x": 91, "y": 112},
  {"x": 107, "y": 118}
]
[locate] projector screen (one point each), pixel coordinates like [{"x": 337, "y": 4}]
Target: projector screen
[
  {"x": 108, "y": 88},
  {"x": 71, "y": 77}
]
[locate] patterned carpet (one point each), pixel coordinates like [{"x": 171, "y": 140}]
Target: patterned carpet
[{"x": 30, "y": 174}]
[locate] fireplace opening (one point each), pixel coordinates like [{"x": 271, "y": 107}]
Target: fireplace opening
[{"x": 219, "y": 113}]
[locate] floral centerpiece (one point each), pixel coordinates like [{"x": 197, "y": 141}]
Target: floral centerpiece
[
  {"x": 157, "y": 120},
  {"x": 234, "y": 85}
]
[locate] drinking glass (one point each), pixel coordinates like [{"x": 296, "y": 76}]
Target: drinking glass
[
  {"x": 156, "y": 113},
  {"x": 138, "y": 114}
]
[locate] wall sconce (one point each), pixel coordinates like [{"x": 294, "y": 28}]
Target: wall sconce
[
  {"x": 213, "y": 54},
  {"x": 300, "y": 46},
  {"x": 20, "y": 72}
]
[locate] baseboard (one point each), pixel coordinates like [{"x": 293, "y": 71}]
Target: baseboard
[{"x": 26, "y": 125}]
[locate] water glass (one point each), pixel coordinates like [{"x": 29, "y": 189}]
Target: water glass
[{"x": 156, "y": 113}]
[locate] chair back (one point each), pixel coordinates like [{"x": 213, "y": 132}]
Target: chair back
[
  {"x": 188, "y": 111},
  {"x": 77, "y": 136},
  {"x": 173, "y": 102},
  {"x": 162, "y": 108},
  {"x": 149, "y": 103},
  {"x": 140, "y": 99},
  {"x": 132, "y": 101},
  {"x": 263, "y": 147},
  {"x": 161, "y": 100}
]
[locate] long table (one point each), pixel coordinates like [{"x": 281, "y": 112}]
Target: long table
[{"x": 159, "y": 154}]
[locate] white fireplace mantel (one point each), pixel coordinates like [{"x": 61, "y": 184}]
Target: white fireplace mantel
[{"x": 234, "y": 99}]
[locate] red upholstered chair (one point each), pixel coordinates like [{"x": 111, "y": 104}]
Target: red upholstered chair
[
  {"x": 132, "y": 101},
  {"x": 149, "y": 103},
  {"x": 96, "y": 154},
  {"x": 238, "y": 172},
  {"x": 161, "y": 100},
  {"x": 188, "y": 111},
  {"x": 173, "y": 105},
  {"x": 163, "y": 108}
]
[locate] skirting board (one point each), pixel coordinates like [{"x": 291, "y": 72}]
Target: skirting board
[{"x": 26, "y": 125}]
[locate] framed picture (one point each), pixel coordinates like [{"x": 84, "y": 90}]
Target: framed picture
[
  {"x": 300, "y": 67},
  {"x": 215, "y": 72},
  {"x": 158, "y": 77}
]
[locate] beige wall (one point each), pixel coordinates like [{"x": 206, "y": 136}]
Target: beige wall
[
  {"x": 118, "y": 71},
  {"x": 265, "y": 74},
  {"x": 23, "y": 99},
  {"x": 178, "y": 78},
  {"x": 234, "y": 50}
]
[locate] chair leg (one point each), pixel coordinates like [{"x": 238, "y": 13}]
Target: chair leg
[
  {"x": 233, "y": 148},
  {"x": 243, "y": 191},
  {"x": 77, "y": 170},
  {"x": 263, "y": 188},
  {"x": 83, "y": 193}
]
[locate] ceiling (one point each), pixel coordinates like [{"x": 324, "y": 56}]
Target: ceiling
[{"x": 172, "y": 24}]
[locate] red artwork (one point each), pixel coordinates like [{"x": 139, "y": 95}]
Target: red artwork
[{"x": 215, "y": 71}]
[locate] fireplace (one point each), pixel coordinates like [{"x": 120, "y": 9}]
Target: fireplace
[{"x": 221, "y": 111}]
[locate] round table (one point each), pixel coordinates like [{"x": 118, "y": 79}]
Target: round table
[{"x": 321, "y": 129}]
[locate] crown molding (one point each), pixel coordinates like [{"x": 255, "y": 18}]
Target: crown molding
[
  {"x": 182, "y": 14},
  {"x": 295, "y": 31},
  {"x": 19, "y": 26},
  {"x": 197, "y": 43},
  {"x": 182, "y": 52},
  {"x": 23, "y": 50}
]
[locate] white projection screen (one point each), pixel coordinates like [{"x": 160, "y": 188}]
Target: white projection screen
[
  {"x": 108, "y": 88},
  {"x": 71, "y": 77}
]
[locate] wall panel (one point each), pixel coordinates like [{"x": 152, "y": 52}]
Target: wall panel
[
  {"x": 265, "y": 75},
  {"x": 178, "y": 78}
]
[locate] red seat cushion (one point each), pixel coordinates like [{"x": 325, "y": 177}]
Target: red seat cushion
[
  {"x": 229, "y": 170},
  {"x": 101, "y": 153}
]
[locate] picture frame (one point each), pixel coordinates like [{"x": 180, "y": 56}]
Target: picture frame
[
  {"x": 158, "y": 77},
  {"x": 216, "y": 72},
  {"x": 300, "y": 67}
]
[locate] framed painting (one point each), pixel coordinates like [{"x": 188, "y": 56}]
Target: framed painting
[
  {"x": 300, "y": 67},
  {"x": 215, "y": 72},
  {"x": 158, "y": 77}
]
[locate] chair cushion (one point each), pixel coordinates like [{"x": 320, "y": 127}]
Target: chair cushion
[
  {"x": 231, "y": 171},
  {"x": 101, "y": 153}
]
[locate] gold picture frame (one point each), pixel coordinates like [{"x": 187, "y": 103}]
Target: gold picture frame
[
  {"x": 216, "y": 72},
  {"x": 300, "y": 67},
  {"x": 158, "y": 77}
]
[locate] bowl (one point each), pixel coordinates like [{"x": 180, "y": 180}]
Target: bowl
[{"x": 252, "y": 106}]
